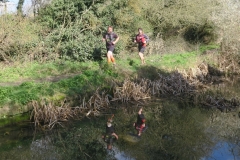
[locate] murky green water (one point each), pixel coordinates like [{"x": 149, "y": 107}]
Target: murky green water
[{"x": 175, "y": 131}]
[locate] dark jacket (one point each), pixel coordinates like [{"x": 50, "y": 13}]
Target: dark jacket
[{"x": 110, "y": 37}]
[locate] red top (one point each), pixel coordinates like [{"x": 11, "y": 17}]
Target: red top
[{"x": 140, "y": 39}]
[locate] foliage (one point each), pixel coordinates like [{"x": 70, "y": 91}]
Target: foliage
[
  {"x": 227, "y": 21},
  {"x": 17, "y": 36},
  {"x": 199, "y": 34},
  {"x": 81, "y": 143},
  {"x": 173, "y": 17},
  {"x": 73, "y": 29},
  {"x": 61, "y": 12},
  {"x": 77, "y": 26},
  {"x": 20, "y": 7}
]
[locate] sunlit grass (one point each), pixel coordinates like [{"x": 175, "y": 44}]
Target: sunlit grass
[
  {"x": 179, "y": 60},
  {"x": 128, "y": 63},
  {"x": 81, "y": 84},
  {"x": 86, "y": 77},
  {"x": 31, "y": 71}
]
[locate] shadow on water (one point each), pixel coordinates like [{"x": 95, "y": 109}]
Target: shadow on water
[
  {"x": 176, "y": 130},
  {"x": 173, "y": 133}
]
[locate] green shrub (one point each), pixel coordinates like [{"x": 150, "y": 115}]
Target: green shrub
[
  {"x": 77, "y": 27},
  {"x": 17, "y": 36},
  {"x": 176, "y": 15},
  {"x": 199, "y": 34}
]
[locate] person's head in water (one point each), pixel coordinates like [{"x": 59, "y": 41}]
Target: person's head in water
[
  {"x": 110, "y": 29},
  {"x": 140, "y": 31}
]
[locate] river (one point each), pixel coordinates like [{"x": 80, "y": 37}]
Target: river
[{"x": 176, "y": 130}]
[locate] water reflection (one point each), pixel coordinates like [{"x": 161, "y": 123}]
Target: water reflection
[
  {"x": 229, "y": 88},
  {"x": 224, "y": 151},
  {"x": 43, "y": 149},
  {"x": 119, "y": 155},
  {"x": 175, "y": 131}
]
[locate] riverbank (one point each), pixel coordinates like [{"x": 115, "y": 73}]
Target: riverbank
[
  {"x": 174, "y": 121},
  {"x": 56, "y": 82}
]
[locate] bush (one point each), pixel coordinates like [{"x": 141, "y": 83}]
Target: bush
[
  {"x": 176, "y": 15},
  {"x": 199, "y": 34},
  {"x": 227, "y": 25},
  {"x": 17, "y": 36},
  {"x": 73, "y": 29},
  {"x": 77, "y": 34}
]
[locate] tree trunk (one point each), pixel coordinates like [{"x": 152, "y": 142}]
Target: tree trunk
[{"x": 19, "y": 7}]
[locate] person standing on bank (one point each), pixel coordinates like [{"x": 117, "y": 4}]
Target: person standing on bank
[
  {"x": 111, "y": 39},
  {"x": 142, "y": 40}
]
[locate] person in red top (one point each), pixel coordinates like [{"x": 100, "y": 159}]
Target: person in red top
[
  {"x": 141, "y": 39},
  {"x": 140, "y": 125},
  {"x": 111, "y": 39}
]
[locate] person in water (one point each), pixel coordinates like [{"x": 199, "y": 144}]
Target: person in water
[
  {"x": 110, "y": 135},
  {"x": 140, "y": 125}
]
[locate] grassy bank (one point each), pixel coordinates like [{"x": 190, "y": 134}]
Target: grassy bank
[{"x": 55, "y": 81}]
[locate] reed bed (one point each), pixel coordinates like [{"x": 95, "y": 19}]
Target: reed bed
[
  {"x": 131, "y": 91},
  {"x": 96, "y": 103},
  {"x": 46, "y": 114},
  {"x": 221, "y": 103},
  {"x": 174, "y": 84},
  {"x": 184, "y": 84}
]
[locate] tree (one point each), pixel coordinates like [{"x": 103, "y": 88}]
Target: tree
[
  {"x": 5, "y": 5},
  {"x": 38, "y": 4},
  {"x": 19, "y": 7}
]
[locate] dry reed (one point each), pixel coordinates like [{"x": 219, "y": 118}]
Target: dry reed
[
  {"x": 131, "y": 91},
  {"x": 179, "y": 84},
  {"x": 47, "y": 114},
  {"x": 221, "y": 103}
]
